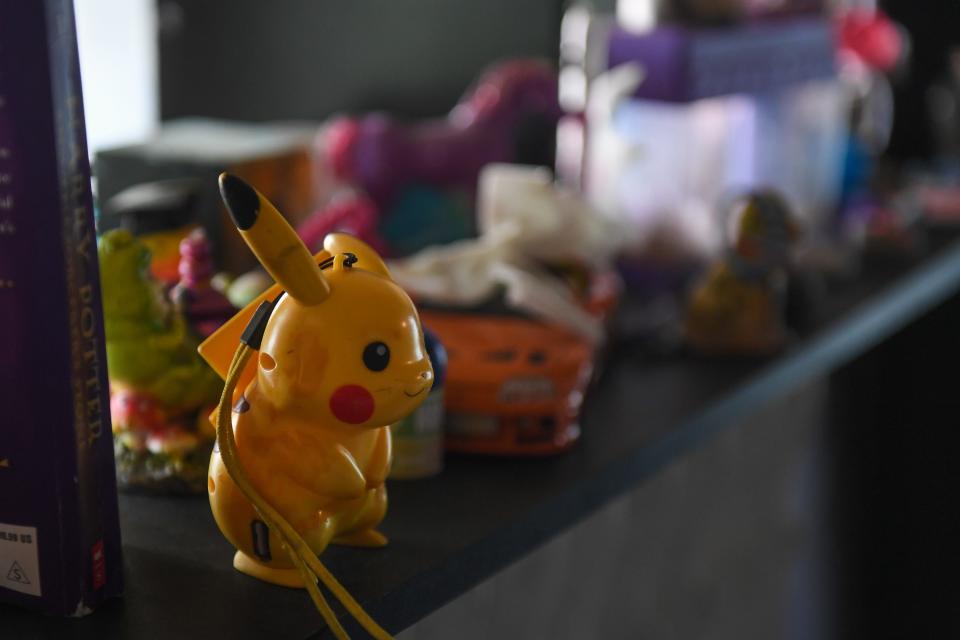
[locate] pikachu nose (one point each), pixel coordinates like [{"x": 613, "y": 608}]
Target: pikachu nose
[{"x": 423, "y": 381}]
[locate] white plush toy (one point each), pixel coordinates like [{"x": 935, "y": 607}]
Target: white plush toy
[{"x": 524, "y": 220}]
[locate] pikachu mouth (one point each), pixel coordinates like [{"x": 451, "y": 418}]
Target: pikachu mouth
[{"x": 424, "y": 382}]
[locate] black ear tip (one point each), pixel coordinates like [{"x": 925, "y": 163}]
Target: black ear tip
[{"x": 241, "y": 199}]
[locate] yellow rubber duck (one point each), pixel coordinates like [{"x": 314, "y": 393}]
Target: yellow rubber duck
[{"x": 738, "y": 306}]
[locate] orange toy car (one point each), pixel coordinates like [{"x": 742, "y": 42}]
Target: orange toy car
[{"x": 515, "y": 385}]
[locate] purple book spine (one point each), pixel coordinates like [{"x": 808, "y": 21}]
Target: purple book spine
[{"x": 58, "y": 510}]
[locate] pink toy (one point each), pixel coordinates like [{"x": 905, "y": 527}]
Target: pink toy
[
  {"x": 204, "y": 307},
  {"x": 871, "y": 38},
  {"x": 357, "y": 215}
]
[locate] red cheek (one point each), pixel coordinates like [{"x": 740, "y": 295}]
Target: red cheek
[{"x": 352, "y": 404}]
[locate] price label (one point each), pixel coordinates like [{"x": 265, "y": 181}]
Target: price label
[{"x": 19, "y": 563}]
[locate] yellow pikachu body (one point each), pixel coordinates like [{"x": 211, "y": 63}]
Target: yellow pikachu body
[{"x": 342, "y": 357}]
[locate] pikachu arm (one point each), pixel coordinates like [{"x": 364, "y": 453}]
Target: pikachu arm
[
  {"x": 379, "y": 465},
  {"x": 332, "y": 474}
]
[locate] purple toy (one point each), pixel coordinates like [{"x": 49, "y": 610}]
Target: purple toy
[{"x": 509, "y": 114}]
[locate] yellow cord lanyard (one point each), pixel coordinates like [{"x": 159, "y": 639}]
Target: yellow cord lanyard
[{"x": 303, "y": 558}]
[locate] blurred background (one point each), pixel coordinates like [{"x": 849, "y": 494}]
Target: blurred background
[{"x": 174, "y": 59}]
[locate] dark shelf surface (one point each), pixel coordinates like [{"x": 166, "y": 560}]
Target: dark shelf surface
[{"x": 449, "y": 533}]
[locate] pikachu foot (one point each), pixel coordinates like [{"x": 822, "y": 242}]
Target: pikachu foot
[
  {"x": 283, "y": 577},
  {"x": 365, "y": 538}
]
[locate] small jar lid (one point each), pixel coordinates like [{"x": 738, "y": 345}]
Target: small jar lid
[{"x": 153, "y": 207}]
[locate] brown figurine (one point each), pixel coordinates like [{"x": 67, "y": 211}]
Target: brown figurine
[{"x": 739, "y": 304}]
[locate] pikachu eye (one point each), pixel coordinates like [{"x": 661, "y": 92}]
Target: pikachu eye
[{"x": 376, "y": 356}]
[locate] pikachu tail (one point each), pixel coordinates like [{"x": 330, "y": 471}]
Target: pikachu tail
[{"x": 303, "y": 558}]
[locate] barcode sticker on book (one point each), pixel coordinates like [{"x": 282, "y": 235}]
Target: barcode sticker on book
[{"x": 19, "y": 567}]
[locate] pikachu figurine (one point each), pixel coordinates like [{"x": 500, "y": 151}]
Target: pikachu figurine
[{"x": 328, "y": 358}]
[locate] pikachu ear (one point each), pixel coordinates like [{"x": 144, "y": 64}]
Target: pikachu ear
[
  {"x": 367, "y": 258},
  {"x": 271, "y": 238}
]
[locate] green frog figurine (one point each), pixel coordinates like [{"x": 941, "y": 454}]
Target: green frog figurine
[{"x": 160, "y": 388}]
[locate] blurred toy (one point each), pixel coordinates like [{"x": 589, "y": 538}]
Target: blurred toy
[
  {"x": 893, "y": 226},
  {"x": 149, "y": 346},
  {"x": 355, "y": 214},
  {"x": 245, "y": 288},
  {"x": 158, "y": 383},
  {"x": 418, "y": 438},
  {"x": 526, "y": 222},
  {"x": 868, "y": 37},
  {"x": 870, "y": 49},
  {"x": 305, "y": 451},
  {"x": 669, "y": 118},
  {"x": 739, "y": 305},
  {"x": 424, "y": 217},
  {"x": 204, "y": 307},
  {"x": 160, "y": 214},
  {"x": 522, "y": 310},
  {"x": 421, "y": 177},
  {"x": 514, "y": 385},
  {"x": 509, "y": 115}
]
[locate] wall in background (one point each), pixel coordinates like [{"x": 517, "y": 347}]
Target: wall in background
[
  {"x": 934, "y": 26},
  {"x": 118, "y": 61},
  {"x": 306, "y": 59}
]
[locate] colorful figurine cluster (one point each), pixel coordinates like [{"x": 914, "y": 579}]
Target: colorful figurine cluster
[
  {"x": 160, "y": 389},
  {"x": 739, "y": 305},
  {"x": 413, "y": 185},
  {"x": 523, "y": 311}
]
